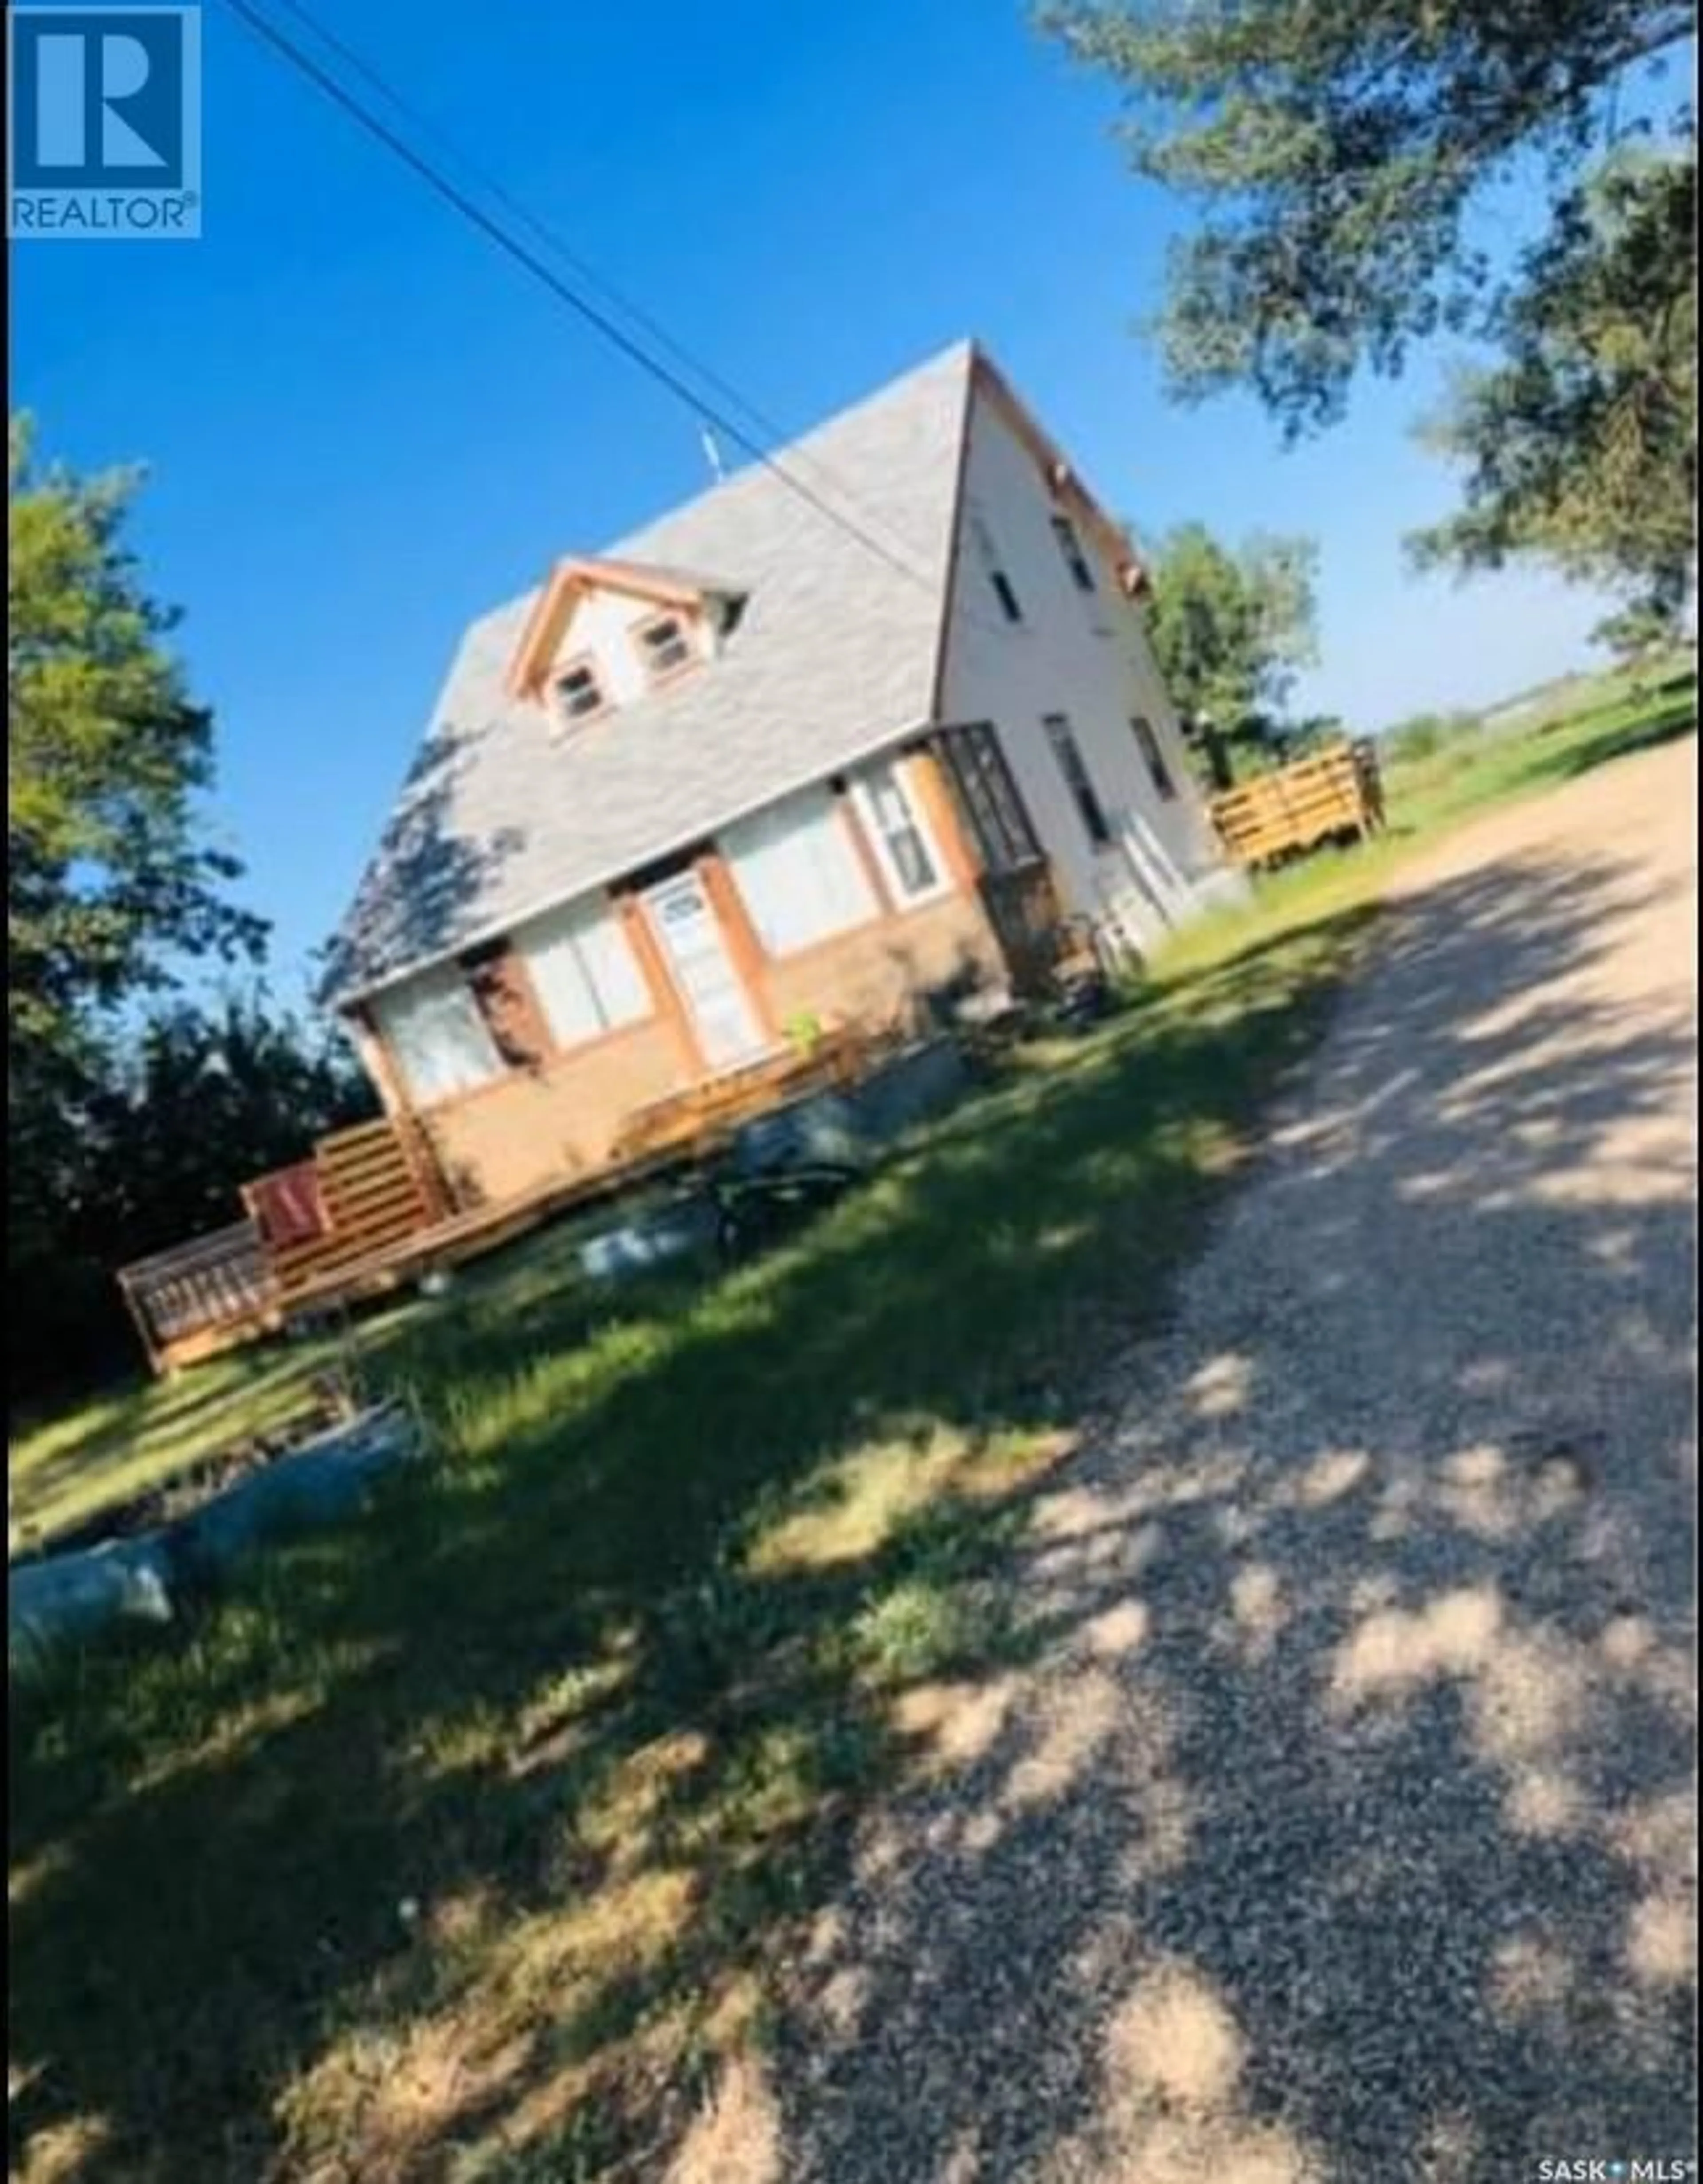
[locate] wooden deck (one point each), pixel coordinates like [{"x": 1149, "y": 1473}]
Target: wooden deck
[{"x": 389, "y": 1220}]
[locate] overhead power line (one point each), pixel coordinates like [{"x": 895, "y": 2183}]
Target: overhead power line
[
  {"x": 599, "y": 319},
  {"x": 550, "y": 238}
]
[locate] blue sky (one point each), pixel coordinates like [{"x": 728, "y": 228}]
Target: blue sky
[{"x": 363, "y": 425}]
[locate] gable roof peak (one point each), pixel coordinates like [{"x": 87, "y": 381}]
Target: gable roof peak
[{"x": 574, "y": 575}]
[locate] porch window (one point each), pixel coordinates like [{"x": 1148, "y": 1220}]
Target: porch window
[
  {"x": 438, "y": 1036},
  {"x": 1078, "y": 779},
  {"x": 988, "y": 797},
  {"x": 797, "y": 873},
  {"x": 583, "y": 971},
  {"x": 909, "y": 856}
]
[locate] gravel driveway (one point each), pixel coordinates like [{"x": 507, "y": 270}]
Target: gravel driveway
[{"x": 1346, "y": 1827}]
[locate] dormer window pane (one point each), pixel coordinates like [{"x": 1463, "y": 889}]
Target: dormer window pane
[
  {"x": 664, "y": 646},
  {"x": 579, "y": 694}
]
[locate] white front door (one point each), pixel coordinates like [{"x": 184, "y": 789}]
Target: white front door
[{"x": 684, "y": 921}]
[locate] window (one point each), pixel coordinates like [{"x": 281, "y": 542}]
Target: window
[
  {"x": 1156, "y": 767},
  {"x": 1078, "y": 779},
  {"x": 908, "y": 857},
  {"x": 797, "y": 873},
  {"x": 583, "y": 971},
  {"x": 1071, "y": 548},
  {"x": 436, "y": 1030},
  {"x": 579, "y": 694},
  {"x": 664, "y": 646},
  {"x": 988, "y": 797},
  {"x": 996, "y": 575}
]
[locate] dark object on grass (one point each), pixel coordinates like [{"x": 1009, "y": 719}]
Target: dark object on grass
[{"x": 754, "y": 1211}]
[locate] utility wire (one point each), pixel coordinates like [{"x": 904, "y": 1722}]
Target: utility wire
[
  {"x": 548, "y": 236},
  {"x": 599, "y": 318}
]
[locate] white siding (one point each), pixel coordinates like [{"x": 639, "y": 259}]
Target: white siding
[{"x": 1085, "y": 655}]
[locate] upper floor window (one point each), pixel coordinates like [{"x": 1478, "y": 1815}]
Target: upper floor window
[
  {"x": 664, "y": 646},
  {"x": 908, "y": 856},
  {"x": 1078, "y": 779},
  {"x": 1000, "y": 582},
  {"x": 1157, "y": 769},
  {"x": 579, "y": 693},
  {"x": 1070, "y": 546}
]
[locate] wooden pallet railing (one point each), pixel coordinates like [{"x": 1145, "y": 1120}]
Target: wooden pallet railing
[
  {"x": 379, "y": 1184},
  {"x": 200, "y": 1296},
  {"x": 1294, "y": 808}
]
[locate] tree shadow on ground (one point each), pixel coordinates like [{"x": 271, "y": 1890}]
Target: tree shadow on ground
[
  {"x": 1353, "y": 1740},
  {"x": 1349, "y": 1832}
]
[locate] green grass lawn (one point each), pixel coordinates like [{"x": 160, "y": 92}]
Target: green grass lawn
[{"x": 461, "y": 1842}]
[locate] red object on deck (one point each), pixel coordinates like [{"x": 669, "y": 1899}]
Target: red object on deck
[{"x": 287, "y": 1206}]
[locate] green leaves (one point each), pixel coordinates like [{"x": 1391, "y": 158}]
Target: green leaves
[
  {"x": 106, "y": 757},
  {"x": 1580, "y": 447},
  {"x": 110, "y": 882},
  {"x": 1230, "y": 628},
  {"x": 1334, "y": 153}
]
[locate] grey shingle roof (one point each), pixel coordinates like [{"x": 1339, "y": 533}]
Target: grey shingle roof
[{"x": 501, "y": 815}]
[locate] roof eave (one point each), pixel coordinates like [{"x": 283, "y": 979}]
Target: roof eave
[{"x": 354, "y": 994}]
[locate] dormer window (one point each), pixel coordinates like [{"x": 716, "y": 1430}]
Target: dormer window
[
  {"x": 664, "y": 646},
  {"x": 579, "y": 694}
]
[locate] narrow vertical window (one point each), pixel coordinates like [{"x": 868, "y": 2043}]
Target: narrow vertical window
[
  {"x": 1070, "y": 547},
  {"x": 999, "y": 582},
  {"x": 1078, "y": 779},
  {"x": 1158, "y": 771}
]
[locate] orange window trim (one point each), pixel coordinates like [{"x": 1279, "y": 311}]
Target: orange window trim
[
  {"x": 665, "y": 996},
  {"x": 863, "y": 849},
  {"x": 745, "y": 950},
  {"x": 566, "y": 580},
  {"x": 923, "y": 773}
]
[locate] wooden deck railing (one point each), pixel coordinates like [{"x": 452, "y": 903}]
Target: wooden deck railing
[
  {"x": 379, "y": 1184},
  {"x": 1295, "y": 808},
  {"x": 202, "y": 1296}
]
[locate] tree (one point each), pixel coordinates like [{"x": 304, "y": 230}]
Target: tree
[
  {"x": 1337, "y": 153},
  {"x": 205, "y": 1099},
  {"x": 110, "y": 884},
  {"x": 109, "y": 877},
  {"x": 1232, "y": 627},
  {"x": 1642, "y": 631},
  {"x": 1581, "y": 446},
  {"x": 164, "y": 1126}
]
